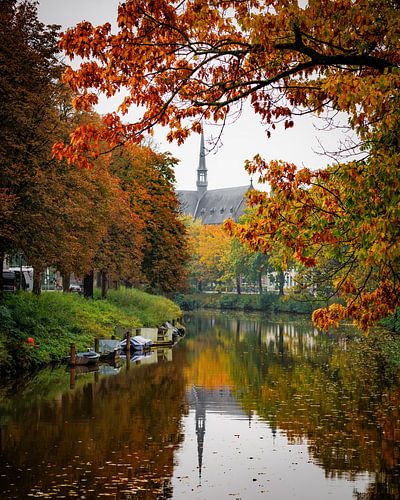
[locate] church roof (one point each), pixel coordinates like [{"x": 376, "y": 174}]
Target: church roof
[
  {"x": 216, "y": 205},
  {"x": 188, "y": 201}
]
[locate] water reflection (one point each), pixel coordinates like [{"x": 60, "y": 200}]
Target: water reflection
[
  {"x": 243, "y": 407},
  {"x": 325, "y": 393},
  {"x": 108, "y": 436}
]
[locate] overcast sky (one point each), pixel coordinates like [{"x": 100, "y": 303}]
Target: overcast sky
[{"x": 240, "y": 141}]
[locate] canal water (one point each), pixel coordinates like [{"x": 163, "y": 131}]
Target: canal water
[{"x": 244, "y": 407}]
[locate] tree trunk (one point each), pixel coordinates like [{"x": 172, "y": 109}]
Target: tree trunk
[
  {"x": 66, "y": 281},
  {"x": 281, "y": 283},
  {"x": 2, "y": 257},
  {"x": 238, "y": 289},
  {"x": 88, "y": 280},
  {"x": 199, "y": 286},
  {"x": 36, "y": 288},
  {"x": 98, "y": 279},
  {"x": 104, "y": 284},
  {"x": 260, "y": 286}
]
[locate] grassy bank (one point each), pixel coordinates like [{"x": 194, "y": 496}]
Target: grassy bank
[
  {"x": 267, "y": 302},
  {"x": 55, "y": 320}
]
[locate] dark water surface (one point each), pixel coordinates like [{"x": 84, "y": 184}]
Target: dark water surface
[{"x": 243, "y": 407}]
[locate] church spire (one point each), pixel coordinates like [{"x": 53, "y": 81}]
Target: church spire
[{"x": 202, "y": 169}]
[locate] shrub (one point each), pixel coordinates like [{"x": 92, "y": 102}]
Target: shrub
[{"x": 267, "y": 302}]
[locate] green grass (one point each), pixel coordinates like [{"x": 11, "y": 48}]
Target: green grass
[
  {"x": 55, "y": 320},
  {"x": 152, "y": 309}
]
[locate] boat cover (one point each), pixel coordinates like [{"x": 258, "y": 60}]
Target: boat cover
[{"x": 138, "y": 343}]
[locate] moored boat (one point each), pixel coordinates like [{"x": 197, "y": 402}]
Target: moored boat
[
  {"x": 137, "y": 343},
  {"x": 109, "y": 350},
  {"x": 83, "y": 358}
]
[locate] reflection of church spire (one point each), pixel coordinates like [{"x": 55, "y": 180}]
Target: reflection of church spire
[
  {"x": 200, "y": 427},
  {"x": 272, "y": 425},
  {"x": 202, "y": 182},
  {"x": 250, "y": 417}
]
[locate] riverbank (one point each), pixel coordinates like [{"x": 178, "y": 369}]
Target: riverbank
[
  {"x": 55, "y": 320},
  {"x": 266, "y": 302}
]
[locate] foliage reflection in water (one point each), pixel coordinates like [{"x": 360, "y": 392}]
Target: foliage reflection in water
[
  {"x": 248, "y": 407},
  {"x": 111, "y": 436},
  {"x": 326, "y": 399}
]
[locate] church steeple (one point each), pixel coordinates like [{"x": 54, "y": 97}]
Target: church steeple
[{"x": 202, "y": 169}]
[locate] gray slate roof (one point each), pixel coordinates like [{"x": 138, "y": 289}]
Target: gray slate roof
[{"x": 215, "y": 205}]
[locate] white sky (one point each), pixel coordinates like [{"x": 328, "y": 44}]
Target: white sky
[{"x": 240, "y": 141}]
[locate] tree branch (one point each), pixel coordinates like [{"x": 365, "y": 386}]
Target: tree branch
[{"x": 320, "y": 59}]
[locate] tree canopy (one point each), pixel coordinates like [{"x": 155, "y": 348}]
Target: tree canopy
[{"x": 181, "y": 62}]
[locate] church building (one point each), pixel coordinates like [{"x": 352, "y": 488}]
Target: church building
[{"x": 212, "y": 206}]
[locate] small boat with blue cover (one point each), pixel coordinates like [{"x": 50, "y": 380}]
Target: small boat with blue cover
[{"x": 138, "y": 343}]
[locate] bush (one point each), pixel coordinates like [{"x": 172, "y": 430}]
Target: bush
[{"x": 267, "y": 302}]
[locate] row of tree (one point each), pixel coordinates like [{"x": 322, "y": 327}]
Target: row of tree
[
  {"x": 120, "y": 217},
  {"x": 220, "y": 263}
]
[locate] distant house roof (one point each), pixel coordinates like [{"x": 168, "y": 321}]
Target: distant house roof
[{"x": 215, "y": 205}]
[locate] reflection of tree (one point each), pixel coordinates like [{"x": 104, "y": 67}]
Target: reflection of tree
[
  {"x": 384, "y": 487},
  {"x": 210, "y": 367},
  {"x": 334, "y": 395},
  {"x": 115, "y": 436}
]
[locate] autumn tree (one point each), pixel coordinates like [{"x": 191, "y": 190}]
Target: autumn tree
[
  {"x": 209, "y": 247},
  {"x": 34, "y": 218},
  {"x": 119, "y": 253},
  {"x": 68, "y": 219},
  {"x": 254, "y": 265},
  {"x": 213, "y": 251},
  {"x": 53, "y": 214},
  {"x": 29, "y": 70},
  {"x": 218, "y": 259},
  {"x": 239, "y": 265},
  {"x": 181, "y": 62},
  {"x": 259, "y": 266},
  {"x": 147, "y": 180}
]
